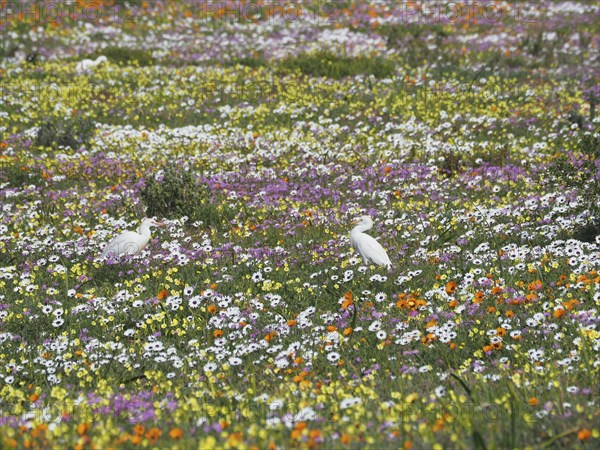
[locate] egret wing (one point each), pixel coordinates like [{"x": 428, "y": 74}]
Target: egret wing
[
  {"x": 126, "y": 243},
  {"x": 372, "y": 250}
]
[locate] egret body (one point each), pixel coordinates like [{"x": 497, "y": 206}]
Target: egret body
[
  {"x": 131, "y": 242},
  {"x": 369, "y": 249},
  {"x": 85, "y": 65}
]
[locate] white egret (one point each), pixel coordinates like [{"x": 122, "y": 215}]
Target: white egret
[
  {"x": 131, "y": 242},
  {"x": 368, "y": 247},
  {"x": 85, "y": 65}
]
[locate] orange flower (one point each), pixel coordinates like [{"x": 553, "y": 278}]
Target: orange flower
[
  {"x": 331, "y": 328},
  {"x": 496, "y": 290},
  {"x": 139, "y": 429},
  {"x": 501, "y": 331},
  {"x": 270, "y": 335},
  {"x": 83, "y": 428},
  {"x": 450, "y": 287},
  {"x": 34, "y": 397},
  {"x": 345, "y": 439},
  {"x": 347, "y": 300},
  {"x": 533, "y": 401},
  {"x": 291, "y": 323},
  {"x": 217, "y": 333},
  {"x": 153, "y": 434},
  {"x": 559, "y": 313},
  {"x": 510, "y": 314},
  {"x": 439, "y": 425},
  {"x": 453, "y": 303},
  {"x": 478, "y": 297},
  {"x": 212, "y": 309},
  {"x": 488, "y": 348},
  {"x": 9, "y": 442},
  {"x": 348, "y": 331},
  {"x": 584, "y": 434},
  {"x": 176, "y": 433},
  {"x": 408, "y": 445},
  {"x": 162, "y": 294}
]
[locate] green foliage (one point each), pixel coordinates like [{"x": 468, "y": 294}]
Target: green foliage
[
  {"x": 65, "y": 132},
  {"x": 326, "y": 64},
  {"x": 248, "y": 61},
  {"x": 125, "y": 55},
  {"x": 581, "y": 173},
  {"x": 180, "y": 194}
]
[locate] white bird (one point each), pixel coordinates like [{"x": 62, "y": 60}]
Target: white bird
[
  {"x": 131, "y": 242},
  {"x": 368, "y": 247},
  {"x": 85, "y": 65}
]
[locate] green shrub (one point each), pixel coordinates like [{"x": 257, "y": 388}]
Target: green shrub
[
  {"x": 126, "y": 55},
  {"x": 581, "y": 173},
  {"x": 66, "y": 132},
  {"x": 178, "y": 194},
  {"x": 326, "y": 64}
]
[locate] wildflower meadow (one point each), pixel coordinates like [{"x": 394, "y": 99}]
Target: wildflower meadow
[{"x": 253, "y": 133}]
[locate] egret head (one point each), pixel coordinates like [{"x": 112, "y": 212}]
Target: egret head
[
  {"x": 363, "y": 220},
  {"x": 152, "y": 223}
]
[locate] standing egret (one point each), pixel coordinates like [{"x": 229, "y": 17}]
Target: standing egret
[
  {"x": 131, "y": 242},
  {"x": 85, "y": 65},
  {"x": 368, "y": 247}
]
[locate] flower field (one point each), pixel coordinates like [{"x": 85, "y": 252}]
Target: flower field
[{"x": 257, "y": 131}]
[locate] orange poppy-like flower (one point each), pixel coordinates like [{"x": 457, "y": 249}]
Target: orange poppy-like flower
[
  {"x": 438, "y": 425},
  {"x": 176, "y": 433},
  {"x": 347, "y": 300},
  {"x": 535, "y": 285},
  {"x": 533, "y": 401},
  {"x": 83, "y": 428},
  {"x": 153, "y": 434},
  {"x": 584, "y": 434},
  {"x": 162, "y": 294},
  {"x": 348, "y": 331},
  {"x": 291, "y": 323},
  {"x": 559, "y": 313},
  {"x": 270, "y": 335},
  {"x": 450, "y": 287},
  {"x": 139, "y": 429},
  {"x": 211, "y": 309},
  {"x": 496, "y": 290},
  {"x": 478, "y": 298},
  {"x": 501, "y": 331},
  {"x": 217, "y": 333}
]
